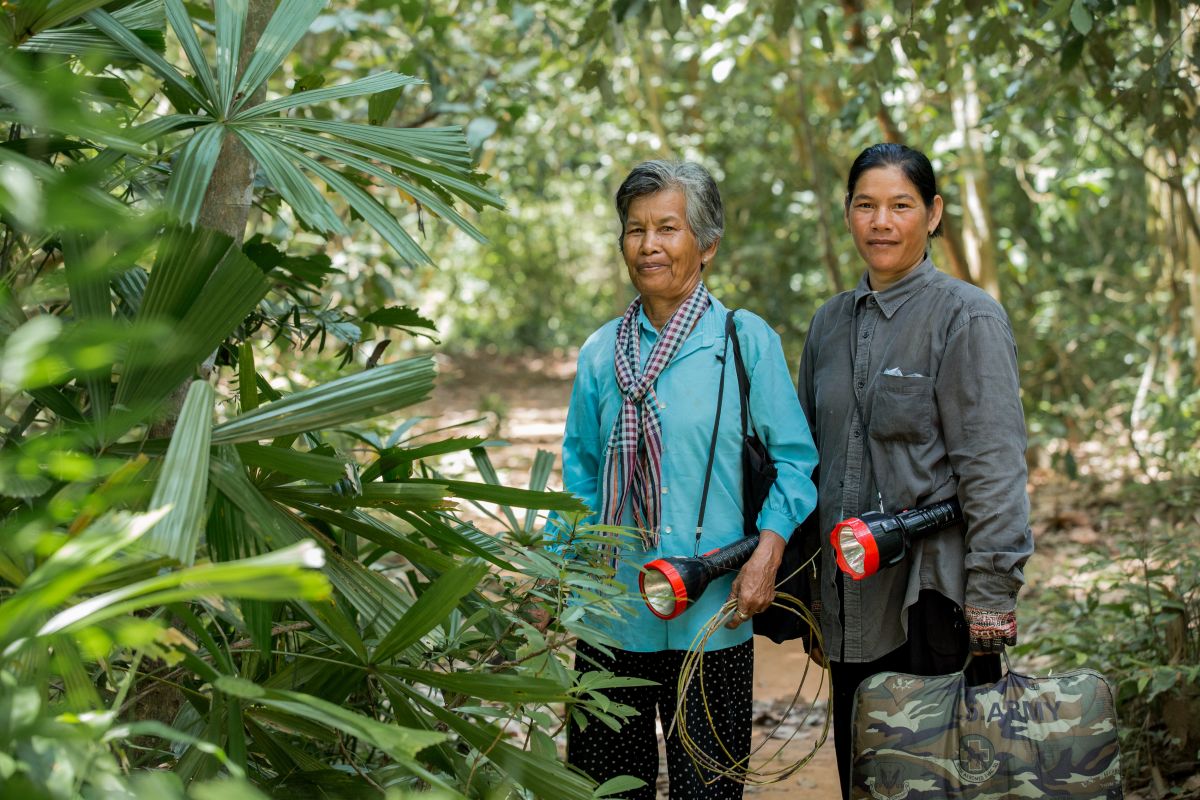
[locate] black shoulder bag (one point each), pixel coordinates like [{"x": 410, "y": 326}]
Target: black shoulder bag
[{"x": 758, "y": 476}]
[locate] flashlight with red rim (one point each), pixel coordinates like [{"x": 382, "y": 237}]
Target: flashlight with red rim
[
  {"x": 670, "y": 585},
  {"x": 864, "y": 545}
]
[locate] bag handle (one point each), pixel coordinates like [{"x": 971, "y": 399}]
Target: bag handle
[
  {"x": 743, "y": 378},
  {"x": 1003, "y": 654},
  {"x": 712, "y": 444}
]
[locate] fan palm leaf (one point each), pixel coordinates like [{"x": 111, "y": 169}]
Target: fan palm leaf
[{"x": 433, "y": 166}]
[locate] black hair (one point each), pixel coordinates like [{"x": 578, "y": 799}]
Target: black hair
[{"x": 913, "y": 163}]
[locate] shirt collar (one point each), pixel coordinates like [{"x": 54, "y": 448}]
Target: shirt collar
[
  {"x": 707, "y": 330},
  {"x": 896, "y": 295}
]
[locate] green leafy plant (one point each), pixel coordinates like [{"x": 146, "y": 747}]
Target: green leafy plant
[
  {"x": 429, "y": 165},
  {"x": 284, "y": 614},
  {"x": 1132, "y": 611}
]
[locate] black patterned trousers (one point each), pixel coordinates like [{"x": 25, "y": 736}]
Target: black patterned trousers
[{"x": 603, "y": 753}]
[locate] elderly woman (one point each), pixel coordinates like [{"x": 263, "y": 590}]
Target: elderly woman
[
  {"x": 910, "y": 384},
  {"x": 638, "y": 433}
]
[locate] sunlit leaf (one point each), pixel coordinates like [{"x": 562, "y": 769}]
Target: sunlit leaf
[
  {"x": 382, "y": 81},
  {"x": 352, "y": 398},
  {"x": 431, "y": 608},
  {"x": 291, "y": 573},
  {"x": 193, "y": 169},
  {"x": 181, "y": 23},
  {"x": 288, "y": 24},
  {"x": 139, "y": 50},
  {"x": 183, "y": 481}
]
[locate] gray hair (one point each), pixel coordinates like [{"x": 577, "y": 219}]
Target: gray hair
[{"x": 705, "y": 214}]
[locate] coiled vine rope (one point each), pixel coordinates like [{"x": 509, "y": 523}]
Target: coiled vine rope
[{"x": 715, "y": 766}]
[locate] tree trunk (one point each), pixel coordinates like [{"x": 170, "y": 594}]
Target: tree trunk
[
  {"x": 226, "y": 206},
  {"x": 1193, "y": 266},
  {"x": 1189, "y": 195},
  {"x": 979, "y": 241},
  {"x": 952, "y": 248},
  {"x": 804, "y": 145}
]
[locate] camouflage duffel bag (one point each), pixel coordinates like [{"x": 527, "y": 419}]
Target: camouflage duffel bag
[{"x": 920, "y": 738}]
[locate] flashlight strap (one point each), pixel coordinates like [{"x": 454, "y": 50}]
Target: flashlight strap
[{"x": 712, "y": 451}]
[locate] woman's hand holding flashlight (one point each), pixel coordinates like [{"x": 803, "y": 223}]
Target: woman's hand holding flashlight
[{"x": 754, "y": 586}]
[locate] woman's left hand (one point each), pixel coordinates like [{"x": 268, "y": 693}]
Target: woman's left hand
[{"x": 754, "y": 586}]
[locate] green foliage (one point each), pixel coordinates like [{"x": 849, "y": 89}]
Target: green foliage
[
  {"x": 1132, "y": 610},
  {"x": 1074, "y": 151},
  {"x": 429, "y": 165},
  {"x": 244, "y": 601},
  {"x": 1064, "y": 137}
]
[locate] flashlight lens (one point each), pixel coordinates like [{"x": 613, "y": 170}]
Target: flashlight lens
[
  {"x": 852, "y": 550},
  {"x": 659, "y": 593}
]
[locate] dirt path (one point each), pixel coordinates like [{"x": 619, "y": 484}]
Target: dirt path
[{"x": 523, "y": 401}]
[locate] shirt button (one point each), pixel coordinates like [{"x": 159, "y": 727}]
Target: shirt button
[
  {"x": 664, "y": 490},
  {"x": 859, "y": 384},
  {"x": 662, "y": 405},
  {"x": 866, "y": 334},
  {"x": 667, "y": 529},
  {"x": 857, "y": 434}
]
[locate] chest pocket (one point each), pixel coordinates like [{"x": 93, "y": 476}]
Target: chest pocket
[{"x": 902, "y": 409}]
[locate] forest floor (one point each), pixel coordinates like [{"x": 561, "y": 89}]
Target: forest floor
[{"x": 522, "y": 400}]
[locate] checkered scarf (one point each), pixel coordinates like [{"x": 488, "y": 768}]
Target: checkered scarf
[{"x": 633, "y": 459}]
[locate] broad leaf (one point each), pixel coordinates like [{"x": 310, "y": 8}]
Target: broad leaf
[
  {"x": 203, "y": 287},
  {"x": 126, "y": 38},
  {"x": 350, "y": 399},
  {"x": 295, "y": 189},
  {"x": 69, "y": 569},
  {"x": 285, "y": 574},
  {"x": 505, "y": 495},
  {"x": 409, "y": 496},
  {"x": 399, "y": 317},
  {"x": 495, "y": 686},
  {"x": 431, "y": 608},
  {"x": 546, "y": 778},
  {"x": 183, "y": 481},
  {"x": 231, "y": 23},
  {"x": 373, "y": 530},
  {"x": 289, "y": 23},
  {"x": 181, "y": 23},
  {"x": 310, "y": 466},
  {"x": 373, "y": 83},
  {"x": 193, "y": 170}
]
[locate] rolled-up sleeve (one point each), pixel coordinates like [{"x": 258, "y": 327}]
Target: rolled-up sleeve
[
  {"x": 978, "y": 398},
  {"x": 781, "y": 424}
]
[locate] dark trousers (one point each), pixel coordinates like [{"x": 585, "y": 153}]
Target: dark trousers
[
  {"x": 602, "y": 753},
  {"x": 937, "y": 644}
]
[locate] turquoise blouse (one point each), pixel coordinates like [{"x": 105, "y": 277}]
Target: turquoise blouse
[{"x": 687, "y": 394}]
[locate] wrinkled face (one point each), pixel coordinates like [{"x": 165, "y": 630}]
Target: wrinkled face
[
  {"x": 890, "y": 223},
  {"x": 660, "y": 250}
]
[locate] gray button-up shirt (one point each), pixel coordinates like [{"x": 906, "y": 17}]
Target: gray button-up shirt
[{"x": 933, "y": 364}]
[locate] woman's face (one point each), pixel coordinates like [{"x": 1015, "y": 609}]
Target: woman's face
[
  {"x": 890, "y": 223},
  {"x": 660, "y": 250}
]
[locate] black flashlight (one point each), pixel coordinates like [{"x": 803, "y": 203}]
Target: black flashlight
[
  {"x": 864, "y": 545},
  {"x": 670, "y": 585}
]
